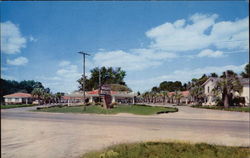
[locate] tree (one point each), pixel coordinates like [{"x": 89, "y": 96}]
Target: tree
[
  {"x": 38, "y": 93},
  {"x": 177, "y": 96},
  {"x": 58, "y": 96},
  {"x": 47, "y": 97},
  {"x": 246, "y": 73},
  {"x": 118, "y": 87},
  {"x": 228, "y": 84},
  {"x": 8, "y": 86},
  {"x": 108, "y": 76},
  {"x": 213, "y": 74},
  {"x": 155, "y": 89},
  {"x": 197, "y": 93},
  {"x": 170, "y": 86},
  {"x": 197, "y": 90},
  {"x": 164, "y": 95}
]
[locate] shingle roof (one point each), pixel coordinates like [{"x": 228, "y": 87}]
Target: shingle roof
[{"x": 19, "y": 95}]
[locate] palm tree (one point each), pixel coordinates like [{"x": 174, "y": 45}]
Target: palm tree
[
  {"x": 47, "y": 97},
  {"x": 58, "y": 97},
  {"x": 229, "y": 84},
  {"x": 246, "y": 73},
  {"x": 164, "y": 95},
  {"x": 38, "y": 93},
  {"x": 197, "y": 93},
  {"x": 177, "y": 96}
]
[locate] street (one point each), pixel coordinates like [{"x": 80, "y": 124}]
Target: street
[{"x": 38, "y": 134}]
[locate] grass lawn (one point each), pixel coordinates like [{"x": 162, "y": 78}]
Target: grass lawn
[
  {"x": 15, "y": 106},
  {"x": 170, "y": 150},
  {"x": 239, "y": 109},
  {"x": 133, "y": 109}
]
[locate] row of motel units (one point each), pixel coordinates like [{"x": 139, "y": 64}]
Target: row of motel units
[
  {"x": 186, "y": 98},
  {"x": 93, "y": 96},
  {"x": 18, "y": 98}
]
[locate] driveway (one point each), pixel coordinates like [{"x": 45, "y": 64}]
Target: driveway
[{"x": 30, "y": 134}]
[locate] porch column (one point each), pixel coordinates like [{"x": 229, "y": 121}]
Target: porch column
[
  {"x": 91, "y": 99},
  {"x": 113, "y": 99}
]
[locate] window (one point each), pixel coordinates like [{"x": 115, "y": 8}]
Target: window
[
  {"x": 16, "y": 99},
  {"x": 208, "y": 89}
]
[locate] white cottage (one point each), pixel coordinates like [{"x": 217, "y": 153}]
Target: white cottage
[
  {"x": 211, "y": 83},
  {"x": 18, "y": 98}
]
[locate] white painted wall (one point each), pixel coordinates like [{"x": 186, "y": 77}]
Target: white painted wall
[
  {"x": 209, "y": 86},
  {"x": 245, "y": 93}
]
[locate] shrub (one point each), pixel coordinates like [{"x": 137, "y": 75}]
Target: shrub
[{"x": 109, "y": 154}]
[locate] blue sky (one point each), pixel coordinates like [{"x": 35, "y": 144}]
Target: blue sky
[{"x": 152, "y": 41}]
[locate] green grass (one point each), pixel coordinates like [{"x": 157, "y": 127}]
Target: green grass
[
  {"x": 239, "y": 109},
  {"x": 15, "y": 106},
  {"x": 170, "y": 150},
  {"x": 133, "y": 109}
]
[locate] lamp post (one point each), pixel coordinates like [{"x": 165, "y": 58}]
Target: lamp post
[{"x": 83, "y": 57}]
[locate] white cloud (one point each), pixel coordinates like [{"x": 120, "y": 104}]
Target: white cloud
[
  {"x": 4, "y": 68},
  {"x": 210, "y": 53},
  {"x": 183, "y": 75},
  {"x": 136, "y": 59},
  {"x": 198, "y": 32},
  {"x": 7, "y": 77},
  {"x": 64, "y": 79},
  {"x": 195, "y": 34},
  {"x": 18, "y": 61},
  {"x": 12, "y": 40},
  {"x": 32, "y": 39},
  {"x": 64, "y": 63},
  {"x": 55, "y": 78}
]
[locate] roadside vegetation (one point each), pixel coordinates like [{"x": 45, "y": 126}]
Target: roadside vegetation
[
  {"x": 170, "y": 150},
  {"x": 226, "y": 91},
  {"x": 15, "y": 106},
  {"x": 239, "y": 109},
  {"x": 97, "y": 109}
]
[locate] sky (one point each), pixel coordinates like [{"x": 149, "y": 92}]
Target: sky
[{"x": 153, "y": 41}]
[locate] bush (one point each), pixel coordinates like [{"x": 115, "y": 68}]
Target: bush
[{"x": 109, "y": 154}]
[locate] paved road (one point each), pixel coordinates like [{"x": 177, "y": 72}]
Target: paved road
[{"x": 31, "y": 134}]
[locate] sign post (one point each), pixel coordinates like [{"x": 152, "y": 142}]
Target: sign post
[{"x": 105, "y": 93}]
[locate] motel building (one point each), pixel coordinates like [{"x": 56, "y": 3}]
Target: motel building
[
  {"x": 120, "y": 97},
  {"x": 18, "y": 98}
]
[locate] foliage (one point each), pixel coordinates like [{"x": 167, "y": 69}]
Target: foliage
[
  {"x": 119, "y": 87},
  {"x": 177, "y": 96},
  {"x": 227, "y": 85},
  {"x": 170, "y": 150},
  {"x": 134, "y": 109},
  {"x": 108, "y": 76},
  {"x": 11, "y": 86},
  {"x": 197, "y": 90},
  {"x": 15, "y": 106},
  {"x": 246, "y": 73},
  {"x": 171, "y": 86}
]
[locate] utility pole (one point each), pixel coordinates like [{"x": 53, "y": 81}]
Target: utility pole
[
  {"x": 99, "y": 84},
  {"x": 83, "y": 86}
]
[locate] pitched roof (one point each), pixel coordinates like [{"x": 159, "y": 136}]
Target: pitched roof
[
  {"x": 184, "y": 93},
  {"x": 209, "y": 79},
  {"x": 97, "y": 92},
  {"x": 18, "y": 95}
]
